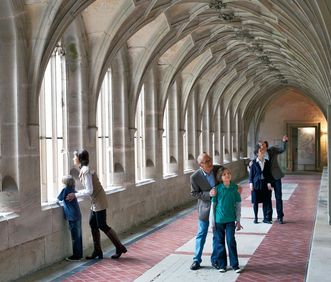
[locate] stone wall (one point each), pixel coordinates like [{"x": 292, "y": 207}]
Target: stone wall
[{"x": 30, "y": 242}]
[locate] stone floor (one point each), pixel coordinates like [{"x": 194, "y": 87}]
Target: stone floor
[{"x": 164, "y": 251}]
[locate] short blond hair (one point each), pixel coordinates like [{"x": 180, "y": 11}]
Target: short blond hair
[{"x": 68, "y": 180}]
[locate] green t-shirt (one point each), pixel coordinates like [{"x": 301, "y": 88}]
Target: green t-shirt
[{"x": 226, "y": 199}]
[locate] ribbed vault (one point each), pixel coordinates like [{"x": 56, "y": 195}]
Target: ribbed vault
[{"x": 237, "y": 53}]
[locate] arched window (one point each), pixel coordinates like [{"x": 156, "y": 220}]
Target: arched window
[
  {"x": 53, "y": 126},
  {"x": 105, "y": 132},
  {"x": 139, "y": 138}
]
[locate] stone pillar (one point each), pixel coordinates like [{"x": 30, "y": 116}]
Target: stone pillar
[
  {"x": 159, "y": 156},
  {"x": 123, "y": 136},
  {"x": 231, "y": 135},
  {"x": 235, "y": 134},
  {"x": 77, "y": 89},
  {"x": 17, "y": 153},
  {"x": 180, "y": 148},
  {"x": 130, "y": 171},
  {"x": 119, "y": 107},
  {"x": 218, "y": 148},
  {"x": 227, "y": 142},
  {"x": 211, "y": 131},
  {"x": 205, "y": 131},
  {"x": 180, "y": 131},
  {"x": 241, "y": 140},
  {"x": 150, "y": 124},
  {"x": 251, "y": 139},
  {"x": 173, "y": 129},
  {"x": 191, "y": 133},
  {"x": 329, "y": 163}
]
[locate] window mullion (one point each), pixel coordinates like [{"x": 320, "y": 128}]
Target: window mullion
[
  {"x": 110, "y": 128},
  {"x": 64, "y": 127},
  {"x": 43, "y": 162},
  {"x": 54, "y": 124}
]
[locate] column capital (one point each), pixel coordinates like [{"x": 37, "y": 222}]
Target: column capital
[
  {"x": 132, "y": 131},
  {"x": 33, "y": 135},
  {"x": 92, "y": 131}
]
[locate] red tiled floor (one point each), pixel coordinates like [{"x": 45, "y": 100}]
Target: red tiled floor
[
  {"x": 143, "y": 254},
  {"x": 282, "y": 255}
]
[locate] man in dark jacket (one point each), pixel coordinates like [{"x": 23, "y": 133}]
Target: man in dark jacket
[
  {"x": 272, "y": 154},
  {"x": 202, "y": 183}
]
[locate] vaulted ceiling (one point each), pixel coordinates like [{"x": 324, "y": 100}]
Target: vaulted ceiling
[{"x": 239, "y": 52}]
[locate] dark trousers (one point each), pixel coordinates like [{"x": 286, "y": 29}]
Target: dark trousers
[
  {"x": 98, "y": 220},
  {"x": 266, "y": 207},
  {"x": 227, "y": 231},
  {"x": 76, "y": 237},
  {"x": 278, "y": 195}
]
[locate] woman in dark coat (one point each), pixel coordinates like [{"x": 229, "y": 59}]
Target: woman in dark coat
[{"x": 260, "y": 180}]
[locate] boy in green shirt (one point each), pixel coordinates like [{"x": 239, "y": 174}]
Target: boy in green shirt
[{"x": 227, "y": 214}]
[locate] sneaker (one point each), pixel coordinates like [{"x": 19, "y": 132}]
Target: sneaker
[
  {"x": 73, "y": 258},
  {"x": 215, "y": 265},
  {"x": 222, "y": 270},
  {"x": 237, "y": 269}
]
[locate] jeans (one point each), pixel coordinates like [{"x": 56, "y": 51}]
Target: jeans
[
  {"x": 76, "y": 237},
  {"x": 227, "y": 230},
  {"x": 278, "y": 195},
  {"x": 201, "y": 239}
]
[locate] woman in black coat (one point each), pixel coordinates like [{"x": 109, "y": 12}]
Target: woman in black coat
[{"x": 260, "y": 180}]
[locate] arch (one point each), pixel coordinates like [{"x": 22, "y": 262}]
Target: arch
[
  {"x": 118, "y": 167},
  {"x": 55, "y": 18},
  {"x": 149, "y": 163},
  {"x": 9, "y": 195},
  {"x": 173, "y": 160}
]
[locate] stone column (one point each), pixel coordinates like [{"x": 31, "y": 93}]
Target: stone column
[
  {"x": 241, "y": 140},
  {"x": 150, "y": 124},
  {"x": 251, "y": 139},
  {"x": 235, "y": 139},
  {"x": 77, "y": 89},
  {"x": 218, "y": 148},
  {"x": 180, "y": 148},
  {"x": 206, "y": 131},
  {"x": 227, "y": 139},
  {"x": 129, "y": 175},
  {"x": 173, "y": 129},
  {"x": 191, "y": 133},
  {"x": 159, "y": 156},
  {"x": 17, "y": 152},
  {"x": 329, "y": 163},
  {"x": 123, "y": 136}
]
